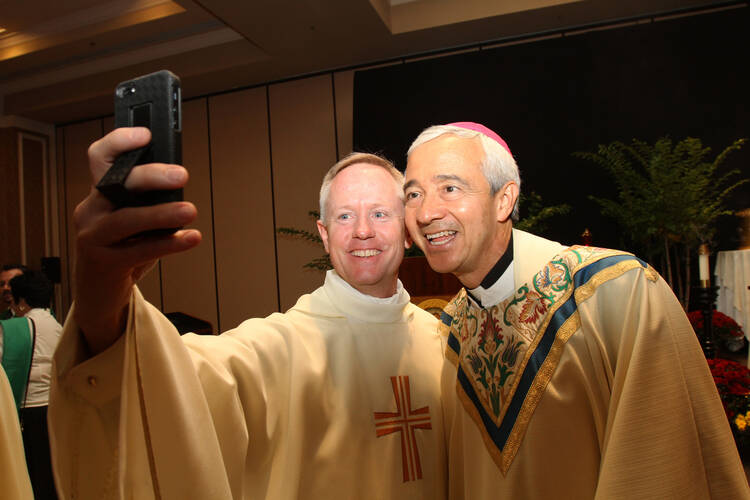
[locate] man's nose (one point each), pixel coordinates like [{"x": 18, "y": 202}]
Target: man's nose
[
  {"x": 363, "y": 228},
  {"x": 429, "y": 210}
]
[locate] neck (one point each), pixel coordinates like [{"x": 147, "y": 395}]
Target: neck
[
  {"x": 497, "y": 248},
  {"x": 380, "y": 291}
]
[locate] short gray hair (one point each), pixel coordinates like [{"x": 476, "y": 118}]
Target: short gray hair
[
  {"x": 498, "y": 165},
  {"x": 349, "y": 160}
]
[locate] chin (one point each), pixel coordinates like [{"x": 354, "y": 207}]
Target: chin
[
  {"x": 439, "y": 264},
  {"x": 366, "y": 279}
]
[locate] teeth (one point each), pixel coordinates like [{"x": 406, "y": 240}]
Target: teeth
[
  {"x": 439, "y": 242},
  {"x": 438, "y": 235},
  {"x": 365, "y": 253}
]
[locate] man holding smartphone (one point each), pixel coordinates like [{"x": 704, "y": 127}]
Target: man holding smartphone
[{"x": 339, "y": 397}]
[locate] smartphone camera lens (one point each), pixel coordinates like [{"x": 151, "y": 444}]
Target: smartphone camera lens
[{"x": 125, "y": 90}]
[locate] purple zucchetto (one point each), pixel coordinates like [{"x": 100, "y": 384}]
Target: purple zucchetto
[{"x": 478, "y": 127}]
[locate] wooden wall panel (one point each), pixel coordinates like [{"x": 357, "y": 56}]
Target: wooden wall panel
[
  {"x": 77, "y": 139},
  {"x": 243, "y": 216},
  {"x": 60, "y": 210},
  {"x": 34, "y": 163},
  {"x": 303, "y": 145},
  {"x": 343, "y": 84},
  {"x": 10, "y": 216},
  {"x": 108, "y": 125},
  {"x": 188, "y": 279}
]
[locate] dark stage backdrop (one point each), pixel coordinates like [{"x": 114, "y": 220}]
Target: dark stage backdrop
[{"x": 547, "y": 99}]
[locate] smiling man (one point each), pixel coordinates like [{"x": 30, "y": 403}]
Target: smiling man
[
  {"x": 337, "y": 398},
  {"x": 362, "y": 223},
  {"x": 574, "y": 371}
]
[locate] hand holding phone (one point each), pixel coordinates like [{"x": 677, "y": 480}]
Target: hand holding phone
[
  {"x": 115, "y": 248},
  {"x": 153, "y": 101}
]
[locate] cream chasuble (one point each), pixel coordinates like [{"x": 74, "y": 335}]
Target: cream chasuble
[
  {"x": 586, "y": 382},
  {"x": 14, "y": 477},
  {"x": 337, "y": 398}
]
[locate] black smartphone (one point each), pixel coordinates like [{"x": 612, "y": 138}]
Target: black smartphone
[{"x": 153, "y": 101}]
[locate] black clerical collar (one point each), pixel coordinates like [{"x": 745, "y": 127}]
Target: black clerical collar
[{"x": 498, "y": 284}]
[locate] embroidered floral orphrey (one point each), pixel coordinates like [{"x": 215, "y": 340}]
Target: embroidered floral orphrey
[{"x": 505, "y": 355}]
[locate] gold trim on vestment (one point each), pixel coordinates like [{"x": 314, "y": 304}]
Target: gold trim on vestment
[
  {"x": 451, "y": 355},
  {"x": 537, "y": 389},
  {"x": 574, "y": 260},
  {"x": 453, "y": 311},
  {"x": 530, "y": 352},
  {"x": 585, "y": 291}
]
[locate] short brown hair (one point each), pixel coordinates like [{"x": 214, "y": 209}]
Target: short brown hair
[{"x": 349, "y": 160}]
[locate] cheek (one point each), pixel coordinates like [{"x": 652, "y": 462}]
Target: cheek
[
  {"x": 410, "y": 220},
  {"x": 394, "y": 235},
  {"x": 337, "y": 240},
  {"x": 470, "y": 212},
  {"x": 464, "y": 209},
  {"x": 409, "y": 217}
]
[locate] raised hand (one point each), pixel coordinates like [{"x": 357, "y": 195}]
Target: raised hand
[{"x": 109, "y": 258}]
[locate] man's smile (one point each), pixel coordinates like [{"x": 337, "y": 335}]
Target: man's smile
[{"x": 440, "y": 238}]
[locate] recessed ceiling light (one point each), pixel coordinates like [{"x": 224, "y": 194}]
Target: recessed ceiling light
[{"x": 2, "y": 30}]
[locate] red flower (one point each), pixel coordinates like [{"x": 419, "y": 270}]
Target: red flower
[
  {"x": 723, "y": 325},
  {"x": 733, "y": 383}
]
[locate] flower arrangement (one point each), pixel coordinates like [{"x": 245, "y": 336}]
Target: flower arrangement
[
  {"x": 733, "y": 382},
  {"x": 726, "y": 330},
  {"x": 741, "y": 421}
]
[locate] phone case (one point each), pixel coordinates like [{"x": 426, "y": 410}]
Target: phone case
[{"x": 152, "y": 101}]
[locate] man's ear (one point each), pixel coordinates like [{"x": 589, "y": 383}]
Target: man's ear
[
  {"x": 505, "y": 200},
  {"x": 323, "y": 234},
  {"x": 408, "y": 242}
]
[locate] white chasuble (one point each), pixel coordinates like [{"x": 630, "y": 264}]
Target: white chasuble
[
  {"x": 586, "y": 382},
  {"x": 14, "y": 477},
  {"x": 337, "y": 398}
]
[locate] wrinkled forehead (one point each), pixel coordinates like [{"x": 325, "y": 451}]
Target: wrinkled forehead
[{"x": 447, "y": 154}]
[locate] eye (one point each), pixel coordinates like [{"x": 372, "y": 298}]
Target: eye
[
  {"x": 451, "y": 189},
  {"x": 379, "y": 214},
  {"x": 345, "y": 216},
  {"x": 412, "y": 195}
]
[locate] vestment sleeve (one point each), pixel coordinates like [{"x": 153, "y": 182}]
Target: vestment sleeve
[
  {"x": 156, "y": 415},
  {"x": 666, "y": 432}
]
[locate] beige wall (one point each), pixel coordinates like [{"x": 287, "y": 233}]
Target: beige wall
[{"x": 256, "y": 158}]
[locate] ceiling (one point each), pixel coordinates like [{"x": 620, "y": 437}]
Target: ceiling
[{"x": 60, "y": 60}]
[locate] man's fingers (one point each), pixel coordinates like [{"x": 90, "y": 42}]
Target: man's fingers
[
  {"x": 132, "y": 257},
  {"x": 156, "y": 176},
  {"x": 119, "y": 225},
  {"x": 118, "y": 141},
  {"x": 103, "y": 152},
  {"x": 139, "y": 251}
]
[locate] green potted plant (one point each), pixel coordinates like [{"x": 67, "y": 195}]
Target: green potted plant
[{"x": 669, "y": 198}]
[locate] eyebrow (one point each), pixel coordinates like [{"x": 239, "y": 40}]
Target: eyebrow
[
  {"x": 440, "y": 177},
  {"x": 409, "y": 184},
  {"x": 450, "y": 177}
]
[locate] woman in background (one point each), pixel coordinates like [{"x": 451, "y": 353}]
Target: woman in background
[{"x": 32, "y": 295}]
